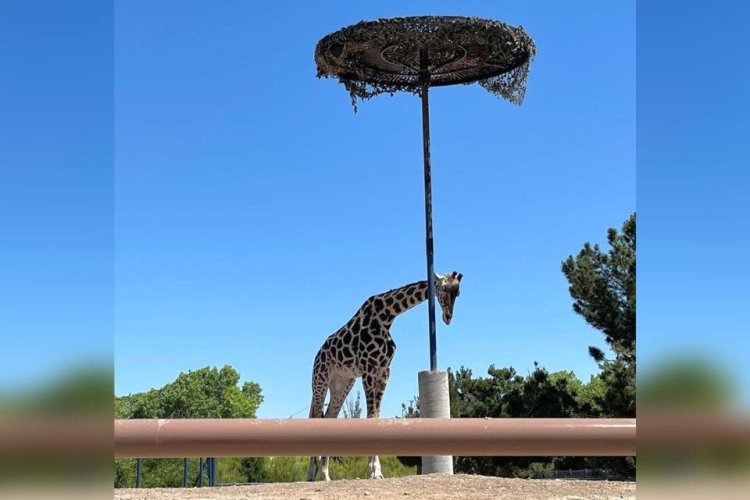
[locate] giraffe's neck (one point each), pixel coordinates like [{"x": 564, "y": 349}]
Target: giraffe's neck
[{"x": 400, "y": 300}]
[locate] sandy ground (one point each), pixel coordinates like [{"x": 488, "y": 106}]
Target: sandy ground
[{"x": 434, "y": 486}]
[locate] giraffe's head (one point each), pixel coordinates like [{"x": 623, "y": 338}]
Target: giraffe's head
[{"x": 447, "y": 288}]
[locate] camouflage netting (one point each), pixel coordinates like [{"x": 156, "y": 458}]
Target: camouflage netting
[{"x": 375, "y": 57}]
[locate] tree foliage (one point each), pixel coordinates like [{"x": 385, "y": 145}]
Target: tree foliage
[
  {"x": 204, "y": 393},
  {"x": 603, "y": 288},
  {"x": 208, "y": 392},
  {"x": 353, "y": 407},
  {"x": 503, "y": 393}
]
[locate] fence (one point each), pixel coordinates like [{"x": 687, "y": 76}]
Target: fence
[
  {"x": 602, "y": 474},
  {"x": 179, "y": 438},
  {"x": 206, "y": 469}
]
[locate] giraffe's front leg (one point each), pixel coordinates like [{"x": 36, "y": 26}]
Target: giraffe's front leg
[
  {"x": 312, "y": 468},
  {"x": 374, "y": 385},
  {"x": 374, "y": 468},
  {"x": 324, "y": 469},
  {"x": 318, "y": 467}
]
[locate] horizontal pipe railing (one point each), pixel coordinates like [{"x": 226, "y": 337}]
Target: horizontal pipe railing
[{"x": 172, "y": 438}]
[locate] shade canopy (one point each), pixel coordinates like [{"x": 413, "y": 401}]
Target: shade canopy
[{"x": 406, "y": 53}]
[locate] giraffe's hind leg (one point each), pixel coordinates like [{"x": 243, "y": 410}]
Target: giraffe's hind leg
[
  {"x": 340, "y": 388},
  {"x": 319, "y": 389}
]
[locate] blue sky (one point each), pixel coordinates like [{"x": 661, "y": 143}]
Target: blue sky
[
  {"x": 56, "y": 187},
  {"x": 693, "y": 184},
  {"x": 254, "y": 211},
  {"x": 253, "y": 214}
]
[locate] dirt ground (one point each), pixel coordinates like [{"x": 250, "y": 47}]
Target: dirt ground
[{"x": 433, "y": 486}]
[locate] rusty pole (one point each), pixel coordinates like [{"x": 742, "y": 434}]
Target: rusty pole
[{"x": 360, "y": 437}]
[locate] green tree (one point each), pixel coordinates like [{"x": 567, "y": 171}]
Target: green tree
[
  {"x": 204, "y": 393},
  {"x": 504, "y": 393},
  {"x": 410, "y": 410},
  {"x": 208, "y": 392},
  {"x": 353, "y": 407},
  {"x": 254, "y": 469},
  {"x": 544, "y": 395},
  {"x": 602, "y": 285},
  {"x": 591, "y": 397}
]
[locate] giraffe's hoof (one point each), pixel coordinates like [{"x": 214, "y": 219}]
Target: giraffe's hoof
[{"x": 377, "y": 476}]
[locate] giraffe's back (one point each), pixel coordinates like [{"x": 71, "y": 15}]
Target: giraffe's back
[{"x": 345, "y": 352}]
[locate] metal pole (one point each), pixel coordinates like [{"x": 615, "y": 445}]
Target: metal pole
[
  {"x": 200, "y": 472},
  {"x": 424, "y": 77},
  {"x": 137, "y": 472},
  {"x": 512, "y": 437},
  {"x": 184, "y": 472}
]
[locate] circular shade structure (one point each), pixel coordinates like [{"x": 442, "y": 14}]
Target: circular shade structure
[
  {"x": 399, "y": 54},
  {"x": 412, "y": 54}
]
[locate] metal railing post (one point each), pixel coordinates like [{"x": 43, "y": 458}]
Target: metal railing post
[{"x": 137, "y": 472}]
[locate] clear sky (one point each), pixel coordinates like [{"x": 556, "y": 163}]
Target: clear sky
[
  {"x": 693, "y": 184},
  {"x": 254, "y": 211},
  {"x": 56, "y": 187}
]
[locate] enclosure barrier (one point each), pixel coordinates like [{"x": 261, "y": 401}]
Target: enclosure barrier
[{"x": 177, "y": 438}]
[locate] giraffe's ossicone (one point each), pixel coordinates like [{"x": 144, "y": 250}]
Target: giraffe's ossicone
[{"x": 363, "y": 347}]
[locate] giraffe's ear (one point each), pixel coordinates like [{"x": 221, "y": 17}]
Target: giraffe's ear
[{"x": 438, "y": 277}]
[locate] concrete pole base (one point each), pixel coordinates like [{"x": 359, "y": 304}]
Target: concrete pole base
[{"x": 434, "y": 402}]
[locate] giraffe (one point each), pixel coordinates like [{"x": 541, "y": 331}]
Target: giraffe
[{"x": 363, "y": 347}]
